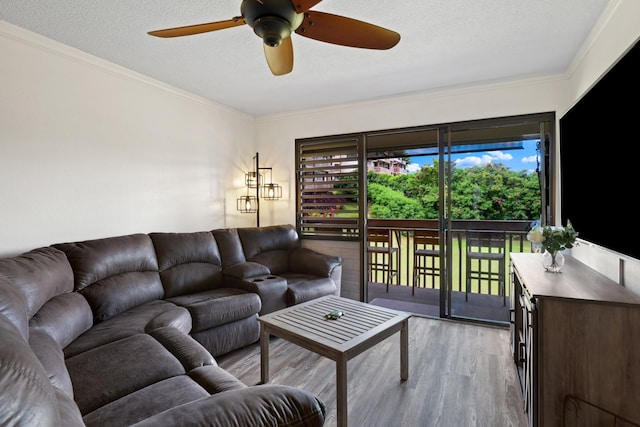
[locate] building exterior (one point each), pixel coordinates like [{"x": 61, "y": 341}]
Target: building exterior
[{"x": 391, "y": 166}]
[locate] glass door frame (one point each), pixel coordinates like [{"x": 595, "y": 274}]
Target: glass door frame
[{"x": 446, "y": 256}]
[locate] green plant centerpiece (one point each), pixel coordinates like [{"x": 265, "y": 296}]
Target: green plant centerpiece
[{"x": 553, "y": 239}]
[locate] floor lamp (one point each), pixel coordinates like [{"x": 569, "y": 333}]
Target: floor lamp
[{"x": 256, "y": 180}]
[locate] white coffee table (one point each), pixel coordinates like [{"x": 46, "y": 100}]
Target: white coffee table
[{"x": 360, "y": 328}]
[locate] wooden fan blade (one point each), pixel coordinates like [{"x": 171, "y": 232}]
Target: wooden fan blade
[
  {"x": 280, "y": 59},
  {"x": 198, "y": 29},
  {"x": 304, "y": 5},
  {"x": 336, "y": 29}
]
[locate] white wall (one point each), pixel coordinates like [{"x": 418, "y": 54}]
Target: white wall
[
  {"x": 89, "y": 150},
  {"x": 615, "y": 33}
]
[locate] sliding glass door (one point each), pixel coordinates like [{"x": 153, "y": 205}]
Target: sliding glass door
[
  {"x": 479, "y": 185},
  {"x": 495, "y": 181}
]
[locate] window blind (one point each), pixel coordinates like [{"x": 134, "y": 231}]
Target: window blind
[{"x": 328, "y": 195}]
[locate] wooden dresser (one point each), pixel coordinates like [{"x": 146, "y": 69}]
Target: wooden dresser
[{"x": 575, "y": 339}]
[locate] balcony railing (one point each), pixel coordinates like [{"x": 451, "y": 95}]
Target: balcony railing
[{"x": 514, "y": 233}]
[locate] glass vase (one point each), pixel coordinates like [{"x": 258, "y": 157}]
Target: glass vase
[{"x": 553, "y": 261}]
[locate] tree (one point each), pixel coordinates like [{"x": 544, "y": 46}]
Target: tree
[
  {"x": 384, "y": 202},
  {"x": 492, "y": 191}
]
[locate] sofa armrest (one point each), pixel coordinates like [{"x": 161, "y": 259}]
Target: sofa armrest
[
  {"x": 262, "y": 405},
  {"x": 246, "y": 270},
  {"x": 186, "y": 349},
  {"x": 271, "y": 289},
  {"x": 308, "y": 261}
]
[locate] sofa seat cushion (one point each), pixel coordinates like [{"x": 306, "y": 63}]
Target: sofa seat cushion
[
  {"x": 109, "y": 372},
  {"x": 155, "y": 314},
  {"x": 304, "y": 287},
  {"x": 230, "y": 336},
  {"x": 158, "y": 397},
  {"x": 218, "y": 306}
]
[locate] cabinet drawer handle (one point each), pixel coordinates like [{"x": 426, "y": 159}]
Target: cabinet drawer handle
[{"x": 522, "y": 352}]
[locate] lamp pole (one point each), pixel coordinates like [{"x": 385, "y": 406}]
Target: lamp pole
[{"x": 258, "y": 183}]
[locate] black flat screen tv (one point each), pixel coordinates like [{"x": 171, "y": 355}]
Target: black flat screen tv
[{"x": 599, "y": 167}]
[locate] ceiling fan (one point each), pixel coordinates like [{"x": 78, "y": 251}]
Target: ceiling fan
[{"x": 275, "y": 20}]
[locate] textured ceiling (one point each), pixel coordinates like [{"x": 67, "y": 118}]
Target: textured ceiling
[{"x": 444, "y": 44}]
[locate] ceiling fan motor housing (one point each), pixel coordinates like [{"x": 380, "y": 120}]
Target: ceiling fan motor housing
[{"x": 271, "y": 20}]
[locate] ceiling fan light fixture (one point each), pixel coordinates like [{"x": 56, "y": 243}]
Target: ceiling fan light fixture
[{"x": 272, "y": 29}]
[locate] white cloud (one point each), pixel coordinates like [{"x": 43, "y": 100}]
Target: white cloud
[
  {"x": 530, "y": 159},
  {"x": 470, "y": 161},
  {"x": 499, "y": 155},
  {"x": 490, "y": 157},
  {"x": 413, "y": 167}
]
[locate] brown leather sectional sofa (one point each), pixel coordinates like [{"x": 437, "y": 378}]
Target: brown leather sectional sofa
[{"x": 124, "y": 330}]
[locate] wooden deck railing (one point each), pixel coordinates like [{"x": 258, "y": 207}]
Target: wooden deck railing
[{"x": 515, "y": 241}]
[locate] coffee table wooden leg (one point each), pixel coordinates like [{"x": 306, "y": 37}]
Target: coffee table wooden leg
[
  {"x": 341, "y": 394},
  {"x": 404, "y": 350},
  {"x": 264, "y": 355}
]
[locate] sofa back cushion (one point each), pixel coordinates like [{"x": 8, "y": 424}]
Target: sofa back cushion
[
  {"x": 40, "y": 275},
  {"x": 64, "y": 318},
  {"x": 14, "y": 307},
  {"x": 270, "y": 245},
  {"x": 188, "y": 262},
  {"x": 115, "y": 274},
  {"x": 44, "y": 279},
  {"x": 230, "y": 246}
]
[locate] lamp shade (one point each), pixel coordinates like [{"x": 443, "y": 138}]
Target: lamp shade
[
  {"x": 247, "y": 204},
  {"x": 252, "y": 179},
  {"x": 271, "y": 191}
]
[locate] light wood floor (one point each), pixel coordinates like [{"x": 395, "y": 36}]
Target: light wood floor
[{"x": 460, "y": 374}]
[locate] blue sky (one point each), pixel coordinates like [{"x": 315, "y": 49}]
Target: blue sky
[{"x": 521, "y": 159}]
